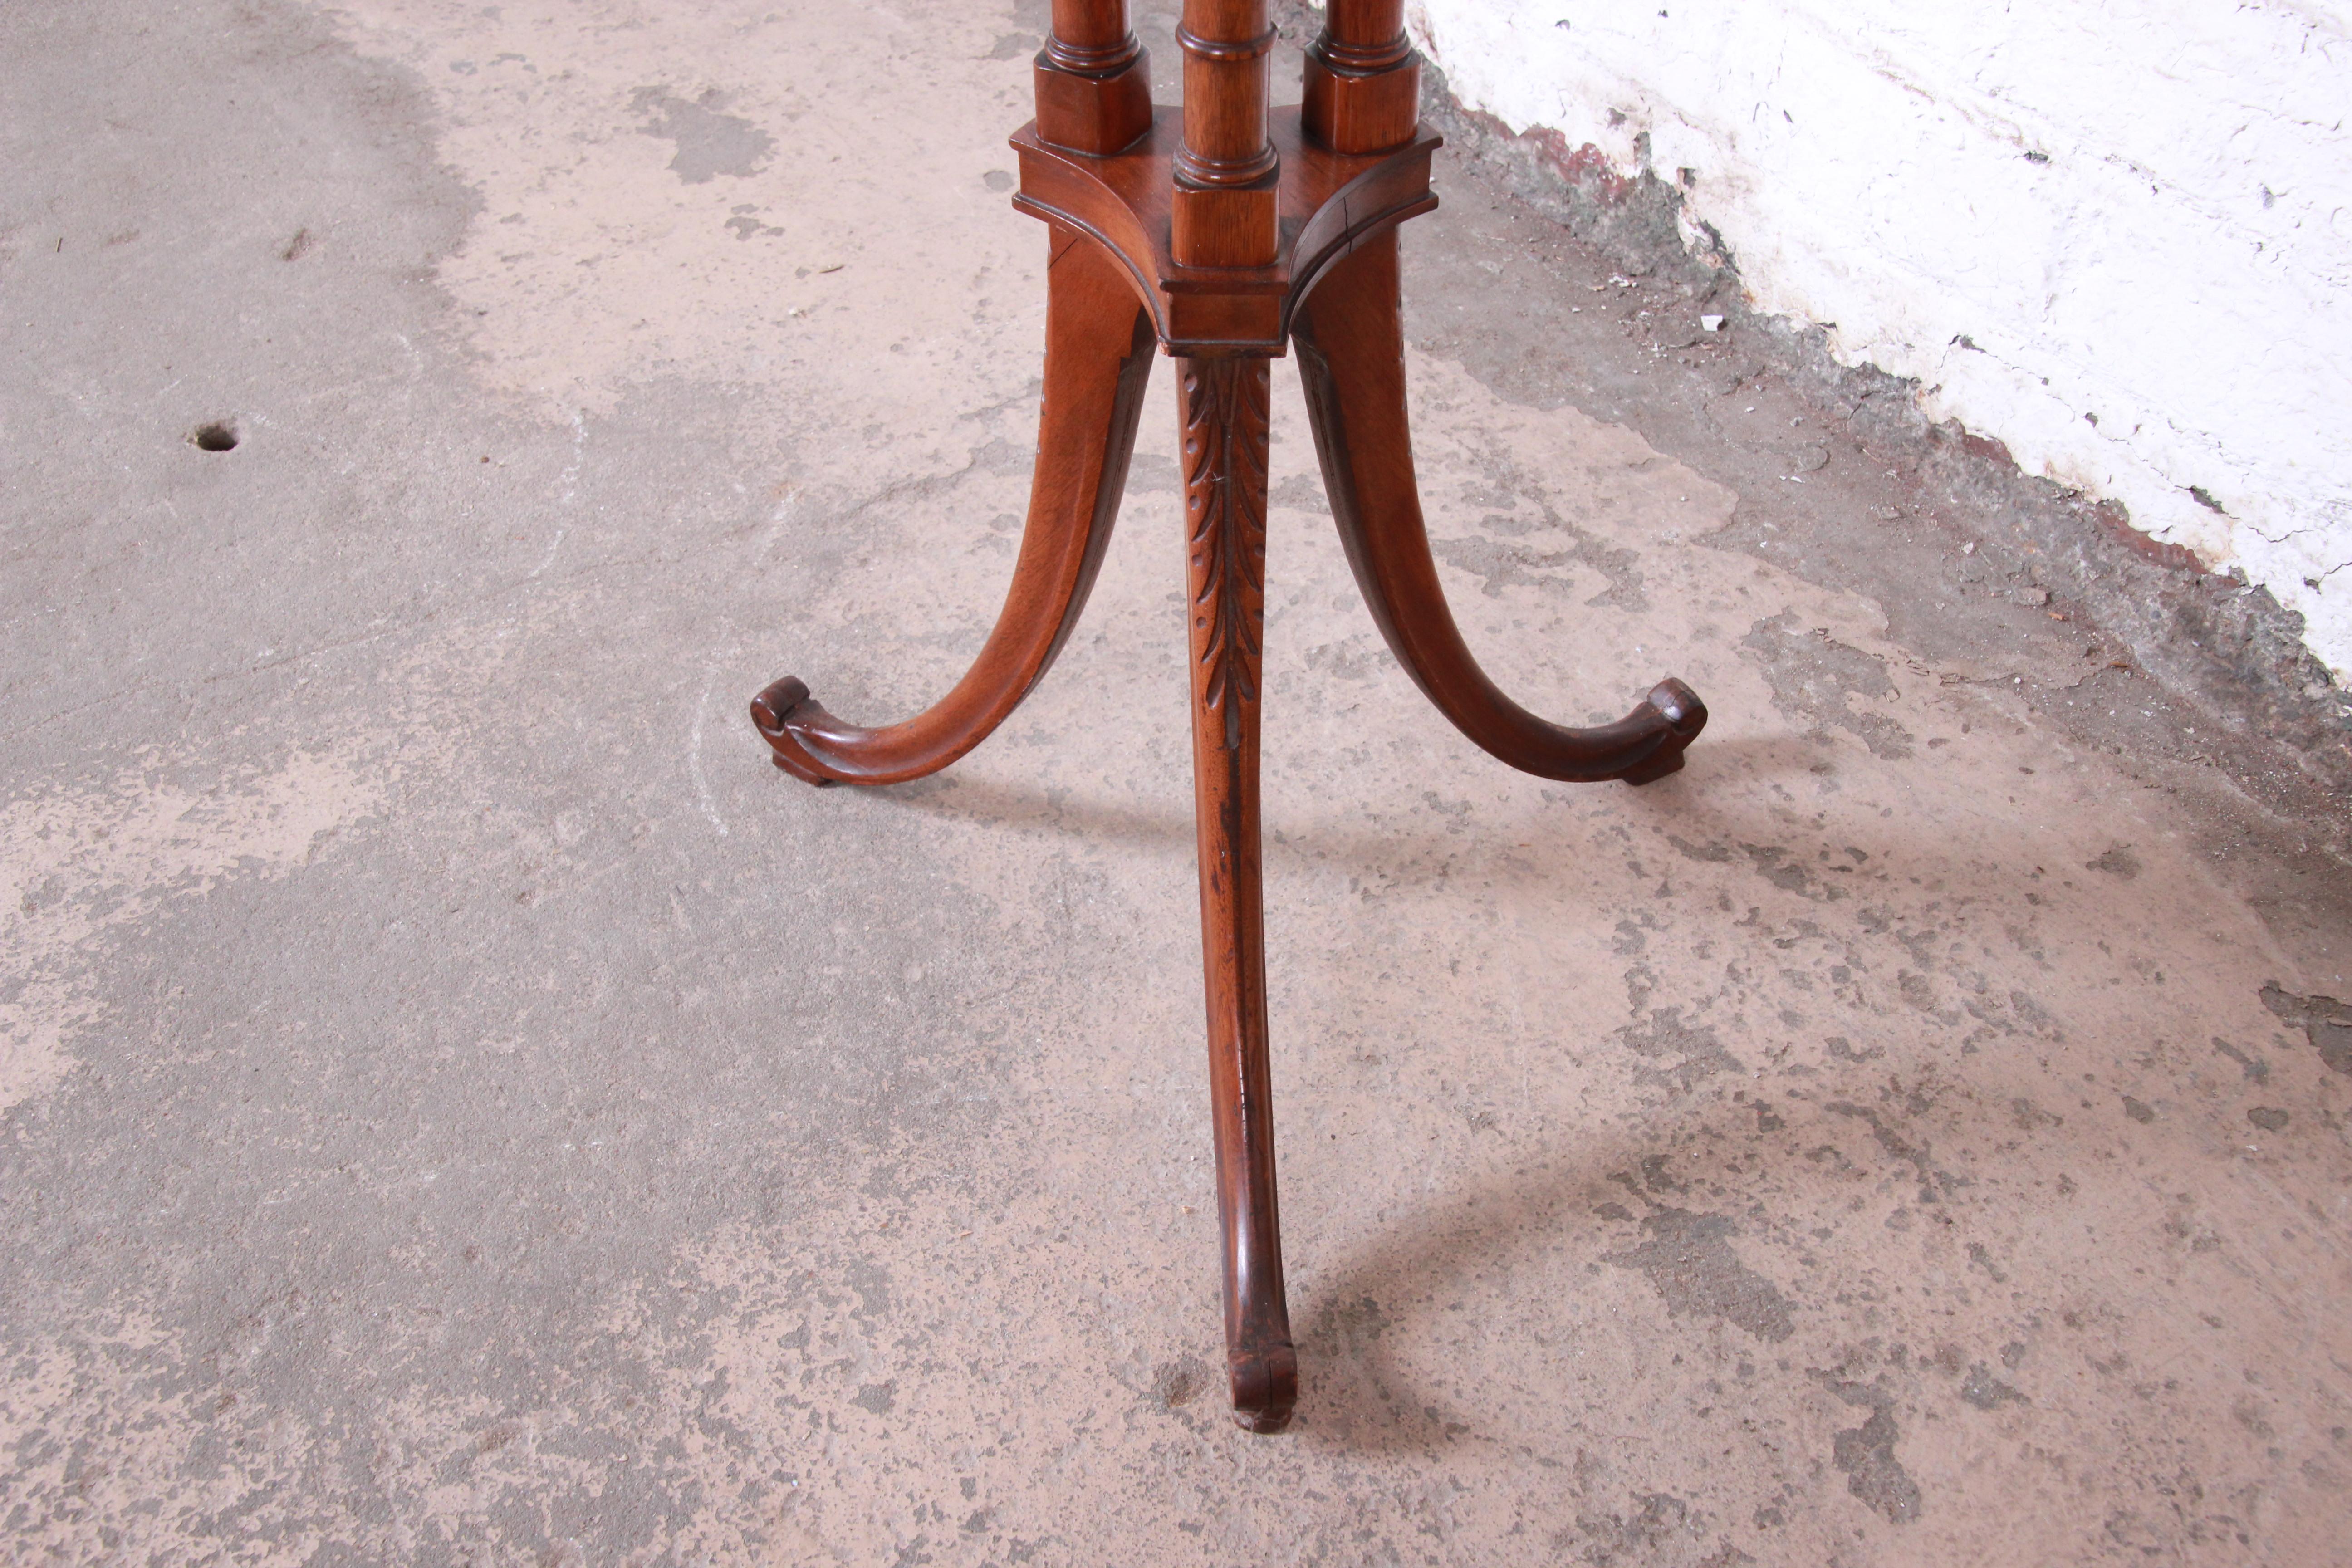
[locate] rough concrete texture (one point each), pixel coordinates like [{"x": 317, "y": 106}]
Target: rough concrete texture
[{"x": 464, "y": 1106}]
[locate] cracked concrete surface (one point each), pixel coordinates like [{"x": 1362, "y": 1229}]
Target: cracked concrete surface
[{"x": 462, "y": 1105}]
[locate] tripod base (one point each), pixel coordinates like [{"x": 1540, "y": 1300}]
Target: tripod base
[{"x": 1114, "y": 289}]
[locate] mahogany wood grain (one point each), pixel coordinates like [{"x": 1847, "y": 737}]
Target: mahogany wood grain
[
  {"x": 1365, "y": 35},
  {"x": 1362, "y": 78},
  {"x": 1327, "y": 202},
  {"x": 1089, "y": 35},
  {"x": 1098, "y": 359},
  {"x": 1351, "y": 358},
  {"x": 1226, "y": 44},
  {"x": 1093, "y": 79},
  {"x": 1224, "y": 226},
  {"x": 1223, "y": 404},
  {"x": 1223, "y": 195}
]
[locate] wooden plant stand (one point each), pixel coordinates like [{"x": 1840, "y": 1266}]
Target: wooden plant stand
[{"x": 1221, "y": 232}]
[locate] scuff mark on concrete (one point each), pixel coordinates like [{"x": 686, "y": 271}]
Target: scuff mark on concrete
[
  {"x": 1894, "y": 1144},
  {"x": 1656, "y": 1519},
  {"x": 1502, "y": 566},
  {"x": 1986, "y": 1392},
  {"x": 1866, "y": 1453},
  {"x": 709, "y": 141},
  {"x": 1814, "y": 676},
  {"x": 1664, "y": 1037},
  {"x": 2117, "y": 860},
  {"x": 2325, "y": 1022},
  {"x": 1688, "y": 1258}
]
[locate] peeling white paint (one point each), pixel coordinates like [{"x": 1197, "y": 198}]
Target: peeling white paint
[{"x": 2118, "y": 238}]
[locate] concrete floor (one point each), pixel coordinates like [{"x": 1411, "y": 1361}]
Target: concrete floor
[{"x": 463, "y": 1106}]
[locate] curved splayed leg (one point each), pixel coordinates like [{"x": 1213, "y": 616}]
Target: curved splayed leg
[
  {"x": 1351, "y": 357},
  {"x": 1098, "y": 349},
  {"x": 1223, "y": 406}
]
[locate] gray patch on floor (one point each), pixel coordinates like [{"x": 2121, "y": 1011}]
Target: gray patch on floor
[
  {"x": 1987, "y": 1391},
  {"x": 709, "y": 141},
  {"x": 1689, "y": 1259},
  {"x": 2325, "y": 1022},
  {"x": 1866, "y": 1453},
  {"x": 1684, "y": 1053},
  {"x": 1814, "y": 676}
]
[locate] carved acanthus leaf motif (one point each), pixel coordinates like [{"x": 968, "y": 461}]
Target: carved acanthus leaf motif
[{"x": 1226, "y": 410}]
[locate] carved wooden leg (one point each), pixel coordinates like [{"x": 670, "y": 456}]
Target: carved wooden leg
[
  {"x": 1223, "y": 405},
  {"x": 1351, "y": 358},
  {"x": 1098, "y": 349}
]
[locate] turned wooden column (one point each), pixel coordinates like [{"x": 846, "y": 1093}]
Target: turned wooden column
[
  {"x": 1363, "y": 79},
  {"x": 1223, "y": 210},
  {"x": 1094, "y": 81}
]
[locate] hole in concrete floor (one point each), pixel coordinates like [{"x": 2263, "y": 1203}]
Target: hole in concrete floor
[{"x": 220, "y": 436}]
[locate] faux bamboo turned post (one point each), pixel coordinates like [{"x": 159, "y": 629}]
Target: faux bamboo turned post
[
  {"x": 1223, "y": 210},
  {"x": 1363, "y": 79},
  {"x": 1094, "y": 81}
]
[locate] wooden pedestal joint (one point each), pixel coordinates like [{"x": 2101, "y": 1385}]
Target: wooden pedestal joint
[
  {"x": 1362, "y": 111},
  {"x": 1363, "y": 79},
  {"x": 1225, "y": 190},
  {"x": 1223, "y": 226},
  {"x": 1325, "y": 204},
  {"x": 1096, "y": 108},
  {"x": 1316, "y": 204},
  {"x": 1093, "y": 79}
]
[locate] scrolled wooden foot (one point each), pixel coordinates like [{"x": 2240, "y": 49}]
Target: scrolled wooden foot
[
  {"x": 1684, "y": 715},
  {"x": 778, "y": 701},
  {"x": 1351, "y": 358},
  {"x": 1098, "y": 350},
  {"x": 1265, "y": 1381}
]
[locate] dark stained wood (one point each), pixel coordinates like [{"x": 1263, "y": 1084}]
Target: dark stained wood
[
  {"x": 1351, "y": 358},
  {"x": 1224, "y": 232},
  {"x": 1093, "y": 79},
  {"x": 1222, "y": 405},
  {"x": 1363, "y": 79},
  {"x": 1098, "y": 360}
]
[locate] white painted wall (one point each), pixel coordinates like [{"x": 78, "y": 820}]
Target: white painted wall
[{"x": 2139, "y": 212}]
